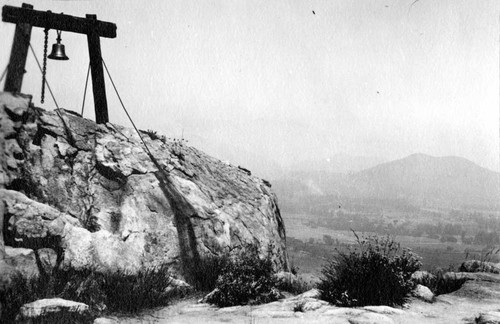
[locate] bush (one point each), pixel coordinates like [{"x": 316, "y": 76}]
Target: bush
[
  {"x": 377, "y": 272},
  {"x": 245, "y": 279}
]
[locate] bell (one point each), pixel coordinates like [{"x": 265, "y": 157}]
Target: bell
[{"x": 58, "y": 52}]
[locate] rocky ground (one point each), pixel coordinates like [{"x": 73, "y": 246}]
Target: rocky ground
[{"x": 478, "y": 301}]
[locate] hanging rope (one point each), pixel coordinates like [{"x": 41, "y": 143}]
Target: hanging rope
[
  {"x": 129, "y": 118},
  {"x": 4, "y": 72},
  {"x": 176, "y": 200},
  {"x": 85, "y": 90},
  {"x": 44, "y": 70}
]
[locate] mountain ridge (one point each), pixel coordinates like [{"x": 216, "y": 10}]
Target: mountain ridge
[{"x": 420, "y": 179}]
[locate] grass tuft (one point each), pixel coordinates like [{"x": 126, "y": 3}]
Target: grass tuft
[{"x": 118, "y": 291}]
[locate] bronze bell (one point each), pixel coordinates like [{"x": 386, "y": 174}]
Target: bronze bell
[{"x": 58, "y": 52}]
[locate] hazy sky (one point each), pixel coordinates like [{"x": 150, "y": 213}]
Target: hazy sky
[{"x": 259, "y": 82}]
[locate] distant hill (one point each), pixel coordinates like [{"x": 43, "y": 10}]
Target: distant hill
[
  {"x": 427, "y": 180},
  {"x": 420, "y": 179}
]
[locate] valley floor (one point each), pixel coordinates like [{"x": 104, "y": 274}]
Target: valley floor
[{"x": 310, "y": 245}]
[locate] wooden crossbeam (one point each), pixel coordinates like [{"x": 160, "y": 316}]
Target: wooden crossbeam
[
  {"x": 47, "y": 19},
  {"x": 25, "y": 18}
]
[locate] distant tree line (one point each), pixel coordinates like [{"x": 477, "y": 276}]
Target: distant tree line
[{"x": 451, "y": 232}]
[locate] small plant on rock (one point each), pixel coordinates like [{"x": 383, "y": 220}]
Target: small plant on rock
[
  {"x": 154, "y": 135},
  {"x": 376, "y": 272},
  {"x": 177, "y": 148},
  {"x": 299, "y": 307},
  {"x": 245, "y": 279}
]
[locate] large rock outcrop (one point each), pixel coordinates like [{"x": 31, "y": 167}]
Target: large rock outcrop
[{"x": 98, "y": 198}]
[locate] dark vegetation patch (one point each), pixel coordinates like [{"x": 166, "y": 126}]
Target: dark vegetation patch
[
  {"x": 204, "y": 274},
  {"x": 242, "y": 279},
  {"x": 245, "y": 279},
  {"x": 119, "y": 291}
]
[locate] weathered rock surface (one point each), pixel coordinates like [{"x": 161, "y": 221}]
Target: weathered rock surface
[
  {"x": 492, "y": 317},
  {"x": 23, "y": 260},
  {"x": 422, "y": 277},
  {"x": 31, "y": 311},
  {"x": 10, "y": 107},
  {"x": 91, "y": 194},
  {"x": 475, "y": 302},
  {"x": 479, "y": 266},
  {"x": 424, "y": 293}
]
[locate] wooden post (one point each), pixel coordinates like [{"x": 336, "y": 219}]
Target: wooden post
[
  {"x": 18, "y": 54},
  {"x": 98, "y": 86}
]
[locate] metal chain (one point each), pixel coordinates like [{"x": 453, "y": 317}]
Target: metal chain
[{"x": 44, "y": 70}]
